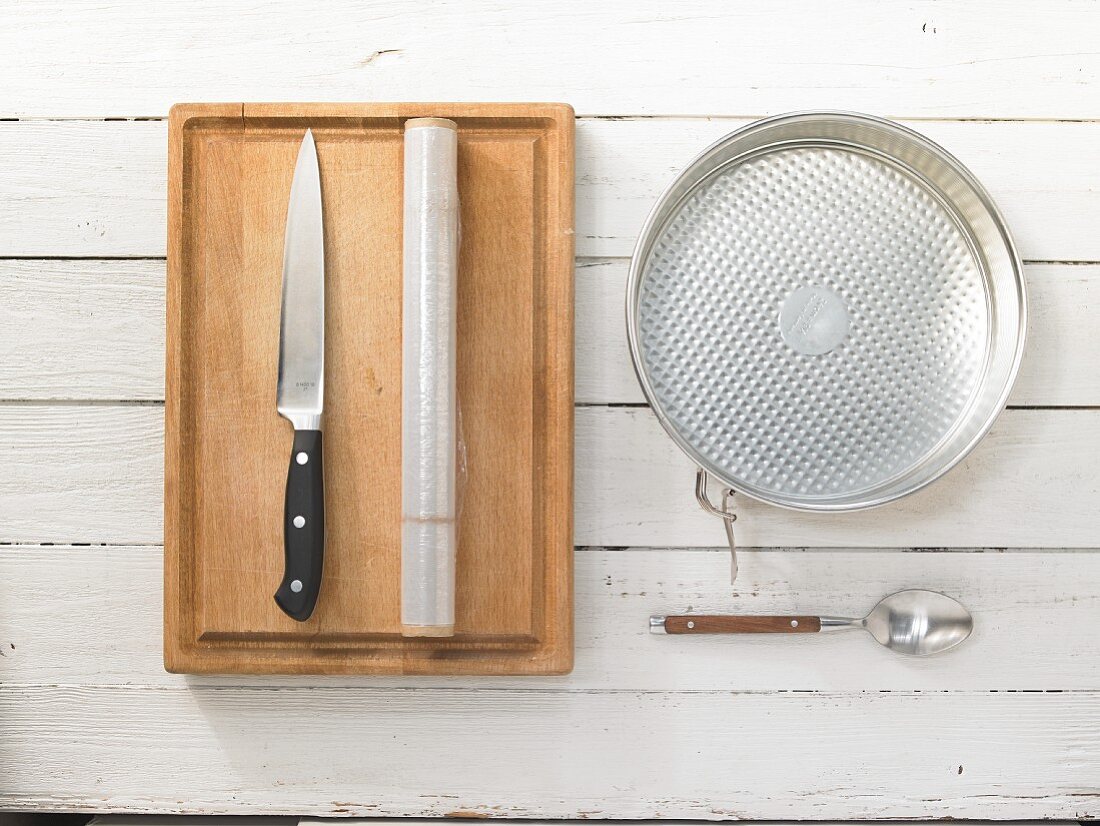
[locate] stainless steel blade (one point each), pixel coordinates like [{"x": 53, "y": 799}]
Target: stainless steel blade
[{"x": 301, "y": 390}]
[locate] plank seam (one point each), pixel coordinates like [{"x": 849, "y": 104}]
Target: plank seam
[
  {"x": 368, "y": 685},
  {"x": 583, "y": 116},
  {"x": 581, "y": 261},
  {"x": 17, "y": 546}
]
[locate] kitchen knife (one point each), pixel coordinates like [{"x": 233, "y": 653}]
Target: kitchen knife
[{"x": 301, "y": 390}]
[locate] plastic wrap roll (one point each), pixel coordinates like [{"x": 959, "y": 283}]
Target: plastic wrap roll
[{"x": 430, "y": 433}]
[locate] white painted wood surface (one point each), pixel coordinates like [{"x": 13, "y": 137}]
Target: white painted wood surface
[
  {"x": 132, "y": 820},
  {"x": 97, "y": 188},
  {"x": 792, "y": 728},
  {"x": 1033, "y": 481},
  {"x": 94, "y": 473},
  {"x": 81, "y": 330},
  {"x": 983, "y": 58},
  {"x": 90, "y": 329},
  {"x": 546, "y": 753},
  {"x": 45, "y": 640}
]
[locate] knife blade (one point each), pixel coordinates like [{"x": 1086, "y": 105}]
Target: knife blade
[{"x": 300, "y": 393}]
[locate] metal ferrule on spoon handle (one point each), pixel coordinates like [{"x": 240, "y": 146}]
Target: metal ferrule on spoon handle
[{"x": 833, "y": 623}]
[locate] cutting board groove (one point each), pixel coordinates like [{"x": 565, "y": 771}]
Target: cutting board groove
[{"x": 226, "y": 449}]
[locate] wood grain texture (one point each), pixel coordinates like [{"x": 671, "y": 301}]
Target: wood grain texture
[
  {"x": 1034, "y": 614},
  {"x": 1032, "y": 482},
  {"x": 956, "y": 59},
  {"x": 715, "y": 727},
  {"x": 75, "y": 472},
  {"x": 230, "y": 167},
  {"x": 83, "y": 188},
  {"x": 746, "y": 624},
  {"x": 1048, "y": 198},
  {"x": 537, "y": 753},
  {"x": 74, "y": 330},
  {"x": 82, "y": 330},
  {"x": 96, "y": 188},
  {"x": 1034, "y": 622},
  {"x": 121, "y": 821},
  {"x": 93, "y": 474}
]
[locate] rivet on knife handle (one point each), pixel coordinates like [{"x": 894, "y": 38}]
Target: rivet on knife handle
[{"x": 303, "y": 527}]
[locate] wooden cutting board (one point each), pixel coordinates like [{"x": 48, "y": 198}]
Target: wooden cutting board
[{"x": 226, "y": 449}]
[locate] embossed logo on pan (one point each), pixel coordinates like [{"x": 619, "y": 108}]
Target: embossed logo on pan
[{"x": 813, "y": 320}]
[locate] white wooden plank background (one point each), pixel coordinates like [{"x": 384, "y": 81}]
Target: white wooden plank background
[
  {"x": 539, "y": 752},
  {"x": 616, "y": 591},
  {"x": 98, "y": 188},
  {"x": 797, "y": 728},
  {"x": 984, "y": 58},
  {"x": 94, "y": 473},
  {"x": 87, "y": 329}
]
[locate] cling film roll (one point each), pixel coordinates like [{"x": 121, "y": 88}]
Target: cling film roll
[{"x": 432, "y": 452}]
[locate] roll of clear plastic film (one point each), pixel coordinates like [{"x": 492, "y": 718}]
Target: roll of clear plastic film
[{"x": 432, "y": 454}]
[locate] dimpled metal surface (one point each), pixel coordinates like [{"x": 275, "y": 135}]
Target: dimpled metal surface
[{"x": 897, "y": 301}]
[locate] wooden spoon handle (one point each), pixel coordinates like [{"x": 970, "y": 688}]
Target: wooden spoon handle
[{"x": 700, "y": 624}]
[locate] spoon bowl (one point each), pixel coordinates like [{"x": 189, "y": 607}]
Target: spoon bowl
[{"x": 919, "y": 623}]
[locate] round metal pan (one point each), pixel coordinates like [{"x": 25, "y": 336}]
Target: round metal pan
[{"x": 826, "y": 311}]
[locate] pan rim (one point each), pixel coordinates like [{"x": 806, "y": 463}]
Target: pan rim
[{"x": 979, "y": 421}]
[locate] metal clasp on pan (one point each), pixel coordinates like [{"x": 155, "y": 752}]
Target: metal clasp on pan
[{"x": 728, "y": 517}]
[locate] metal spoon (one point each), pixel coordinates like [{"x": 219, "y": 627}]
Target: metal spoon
[{"x": 913, "y": 622}]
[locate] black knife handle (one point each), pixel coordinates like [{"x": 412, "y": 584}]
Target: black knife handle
[{"x": 303, "y": 527}]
